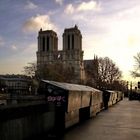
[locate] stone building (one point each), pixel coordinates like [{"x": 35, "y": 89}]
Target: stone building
[
  {"x": 15, "y": 84},
  {"x": 71, "y": 55}
]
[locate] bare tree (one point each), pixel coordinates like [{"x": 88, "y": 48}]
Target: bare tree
[
  {"x": 30, "y": 69},
  {"x": 108, "y": 71},
  {"x": 136, "y": 72},
  {"x": 50, "y": 72},
  {"x": 102, "y": 72},
  {"x": 56, "y": 72}
]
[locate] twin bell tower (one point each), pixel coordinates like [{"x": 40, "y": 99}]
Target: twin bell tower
[{"x": 71, "y": 55}]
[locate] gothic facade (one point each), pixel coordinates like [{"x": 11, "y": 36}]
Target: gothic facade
[{"x": 71, "y": 55}]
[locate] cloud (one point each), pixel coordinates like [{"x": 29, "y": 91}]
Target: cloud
[
  {"x": 30, "y": 5},
  {"x": 82, "y": 7},
  {"x": 40, "y": 21},
  {"x": 59, "y": 1},
  {"x": 1, "y": 41},
  {"x": 86, "y": 6},
  {"x": 69, "y": 9},
  {"x": 14, "y": 47}
]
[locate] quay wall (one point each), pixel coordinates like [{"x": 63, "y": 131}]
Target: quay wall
[{"x": 25, "y": 121}]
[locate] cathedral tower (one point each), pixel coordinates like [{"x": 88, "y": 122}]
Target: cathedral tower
[
  {"x": 73, "y": 54},
  {"x": 72, "y": 39},
  {"x": 47, "y": 45},
  {"x": 71, "y": 57}
]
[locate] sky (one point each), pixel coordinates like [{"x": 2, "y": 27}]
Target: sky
[{"x": 110, "y": 28}]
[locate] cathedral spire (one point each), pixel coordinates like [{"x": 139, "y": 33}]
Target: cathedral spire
[{"x": 76, "y": 27}]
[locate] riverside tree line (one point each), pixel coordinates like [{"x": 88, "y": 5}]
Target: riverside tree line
[{"x": 101, "y": 73}]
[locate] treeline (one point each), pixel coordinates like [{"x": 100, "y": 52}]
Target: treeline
[{"x": 100, "y": 73}]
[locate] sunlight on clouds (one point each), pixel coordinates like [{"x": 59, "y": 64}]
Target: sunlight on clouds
[
  {"x": 133, "y": 41},
  {"x": 120, "y": 41},
  {"x": 118, "y": 50},
  {"x": 37, "y": 22},
  {"x": 30, "y": 5},
  {"x": 85, "y": 6},
  {"x": 126, "y": 33},
  {"x": 121, "y": 56}
]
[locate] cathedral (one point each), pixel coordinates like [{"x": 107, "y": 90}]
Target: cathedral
[{"x": 71, "y": 55}]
